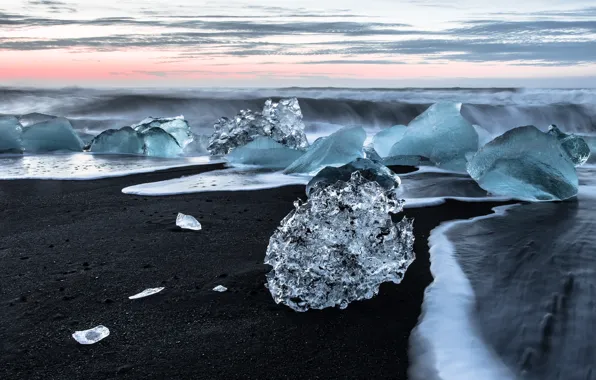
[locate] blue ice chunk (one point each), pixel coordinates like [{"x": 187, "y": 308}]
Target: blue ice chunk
[
  {"x": 118, "y": 141},
  {"x": 576, "y": 147},
  {"x": 10, "y": 135},
  {"x": 384, "y": 140},
  {"x": 336, "y": 149},
  {"x": 176, "y": 126},
  {"x": 369, "y": 170},
  {"x": 52, "y": 135},
  {"x": 441, "y": 134},
  {"x": 159, "y": 143},
  {"x": 526, "y": 164},
  {"x": 265, "y": 152}
]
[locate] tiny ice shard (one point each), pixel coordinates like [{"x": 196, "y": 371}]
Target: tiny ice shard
[
  {"x": 265, "y": 152},
  {"x": 370, "y": 170},
  {"x": 91, "y": 336},
  {"x": 146, "y": 293},
  {"x": 220, "y": 288},
  {"x": 384, "y": 140},
  {"x": 336, "y": 149},
  {"x": 526, "y": 164},
  {"x": 576, "y": 147},
  {"x": 441, "y": 134},
  {"x": 176, "y": 126},
  {"x": 187, "y": 222},
  {"x": 281, "y": 122},
  {"x": 339, "y": 246}
]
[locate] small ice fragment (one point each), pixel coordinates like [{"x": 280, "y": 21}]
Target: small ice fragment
[
  {"x": 91, "y": 336},
  {"x": 146, "y": 293},
  {"x": 220, "y": 288},
  {"x": 188, "y": 222}
]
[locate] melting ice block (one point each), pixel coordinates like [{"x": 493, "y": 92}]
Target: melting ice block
[
  {"x": 577, "y": 148},
  {"x": 339, "y": 246},
  {"x": 146, "y": 293},
  {"x": 176, "y": 126},
  {"x": 526, "y": 164},
  {"x": 281, "y": 122},
  {"x": 336, "y": 149},
  {"x": 159, "y": 143},
  {"x": 442, "y": 135},
  {"x": 51, "y": 135},
  {"x": 10, "y": 135},
  {"x": 370, "y": 170},
  {"x": 384, "y": 140},
  {"x": 121, "y": 141},
  {"x": 188, "y": 222},
  {"x": 91, "y": 336},
  {"x": 265, "y": 152}
]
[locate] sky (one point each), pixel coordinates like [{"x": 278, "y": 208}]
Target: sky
[{"x": 266, "y": 43}]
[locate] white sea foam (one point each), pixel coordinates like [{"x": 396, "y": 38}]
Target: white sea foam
[
  {"x": 86, "y": 166},
  {"x": 446, "y": 344},
  {"x": 234, "y": 179}
]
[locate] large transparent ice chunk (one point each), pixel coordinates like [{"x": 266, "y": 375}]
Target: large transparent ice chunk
[
  {"x": 280, "y": 121},
  {"x": 370, "y": 170},
  {"x": 120, "y": 141},
  {"x": 441, "y": 134},
  {"x": 577, "y": 148},
  {"x": 52, "y": 135},
  {"x": 176, "y": 126},
  {"x": 527, "y": 164},
  {"x": 10, "y": 135},
  {"x": 91, "y": 336},
  {"x": 265, "y": 152},
  {"x": 159, "y": 143},
  {"x": 384, "y": 140},
  {"x": 336, "y": 149},
  {"x": 339, "y": 246}
]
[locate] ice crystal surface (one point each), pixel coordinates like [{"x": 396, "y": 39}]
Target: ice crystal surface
[{"x": 339, "y": 246}]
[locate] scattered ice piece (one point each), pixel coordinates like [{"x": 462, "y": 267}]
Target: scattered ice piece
[
  {"x": 51, "y": 135},
  {"x": 91, "y": 336},
  {"x": 280, "y": 121},
  {"x": 441, "y": 134},
  {"x": 526, "y": 164},
  {"x": 146, "y": 293},
  {"x": 370, "y": 170},
  {"x": 10, "y": 135},
  {"x": 220, "y": 288},
  {"x": 336, "y": 149},
  {"x": 176, "y": 126},
  {"x": 384, "y": 140},
  {"x": 264, "y": 152},
  {"x": 188, "y": 222},
  {"x": 339, "y": 246},
  {"x": 576, "y": 147},
  {"x": 120, "y": 141}
]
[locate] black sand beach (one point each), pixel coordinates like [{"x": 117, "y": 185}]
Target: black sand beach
[{"x": 71, "y": 252}]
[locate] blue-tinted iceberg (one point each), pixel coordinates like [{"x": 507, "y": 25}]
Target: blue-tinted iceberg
[
  {"x": 527, "y": 164},
  {"x": 577, "y": 148},
  {"x": 281, "y": 121},
  {"x": 176, "y": 126},
  {"x": 336, "y": 149},
  {"x": 384, "y": 140},
  {"x": 52, "y": 135},
  {"x": 34, "y": 118},
  {"x": 369, "y": 170},
  {"x": 159, "y": 143},
  {"x": 442, "y": 135},
  {"x": 265, "y": 152},
  {"x": 118, "y": 141},
  {"x": 10, "y": 135}
]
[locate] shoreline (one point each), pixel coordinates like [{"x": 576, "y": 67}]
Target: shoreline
[{"x": 73, "y": 251}]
